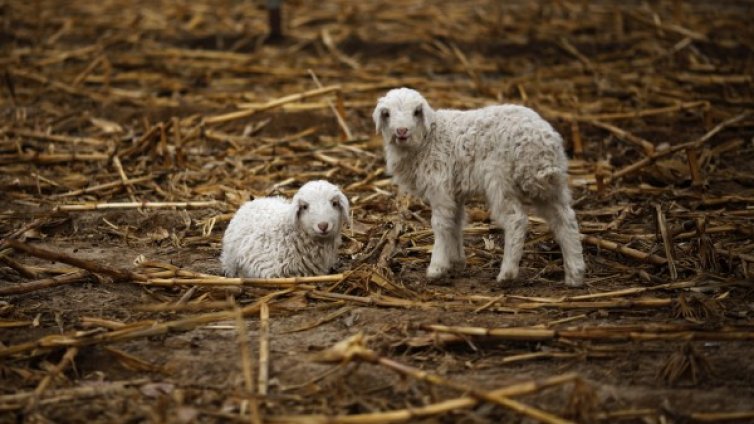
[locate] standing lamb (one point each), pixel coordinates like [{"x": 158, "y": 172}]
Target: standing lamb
[
  {"x": 507, "y": 152},
  {"x": 274, "y": 237}
]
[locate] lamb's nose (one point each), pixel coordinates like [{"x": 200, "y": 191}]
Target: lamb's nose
[
  {"x": 402, "y": 132},
  {"x": 323, "y": 226}
]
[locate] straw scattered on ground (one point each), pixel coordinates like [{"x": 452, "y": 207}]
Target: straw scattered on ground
[{"x": 131, "y": 132}]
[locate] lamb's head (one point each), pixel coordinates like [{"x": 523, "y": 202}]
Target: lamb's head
[
  {"x": 320, "y": 209},
  {"x": 403, "y": 117}
]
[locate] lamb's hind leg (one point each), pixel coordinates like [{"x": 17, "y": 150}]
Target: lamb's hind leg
[
  {"x": 565, "y": 229},
  {"x": 509, "y": 213},
  {"x": 445, "y": 248}
]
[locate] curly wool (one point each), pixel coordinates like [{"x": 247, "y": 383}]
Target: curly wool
[
  {"x": 276, "y": 237},
  {"x": 506, "y": 152}
]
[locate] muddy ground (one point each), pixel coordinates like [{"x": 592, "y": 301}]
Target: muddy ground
[{"x": 113, "y": 91}]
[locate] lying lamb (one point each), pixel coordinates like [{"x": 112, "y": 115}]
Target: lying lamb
[
  {"x": 274, "y": 237},
  {"x": 508, "y": 153}
]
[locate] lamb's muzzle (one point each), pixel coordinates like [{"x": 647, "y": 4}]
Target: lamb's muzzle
[{"x": 508, "y": 153}]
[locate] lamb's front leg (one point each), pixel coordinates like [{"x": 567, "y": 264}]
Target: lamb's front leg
[
  {"x": 445, "y": 247},
  {"x": 458, "y": 258}
]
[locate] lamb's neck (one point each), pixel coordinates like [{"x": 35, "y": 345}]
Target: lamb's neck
[
  {"x": 407, "y": 166},
  {"x": 302, "y": 238},
  {"x": 396, "y": 158},
  {"x": 311, "y": 255},
  {"x": 401, "y": 160}
]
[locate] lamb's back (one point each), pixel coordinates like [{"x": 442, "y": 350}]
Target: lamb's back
[
  {"x": 259, "y": 215},
  {"x": 509, "y": 139},
  {"x": 492, "y": 127}
]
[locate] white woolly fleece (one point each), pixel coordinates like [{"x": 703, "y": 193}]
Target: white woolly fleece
[
  {"x": 507, "y": 153},
  {"x": 274, "y": 237}
]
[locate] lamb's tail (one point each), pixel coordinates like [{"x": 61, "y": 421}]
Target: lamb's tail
[
  {"x": 541, "y": 182},
  {"x": 541, "y": 168}
]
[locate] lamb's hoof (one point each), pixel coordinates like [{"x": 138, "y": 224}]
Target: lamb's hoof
[
  {"x": 435, "y": 272},
  {"x": 570, "y": 282},
  {"x": 507, "y": 274},
  {"x": 574, "y": 280}
]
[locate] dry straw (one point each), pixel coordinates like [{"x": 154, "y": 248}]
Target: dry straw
[{"x": 145, "y": 138}]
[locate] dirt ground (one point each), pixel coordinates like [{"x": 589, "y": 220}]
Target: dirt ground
[{"x": 109, "y": 105}]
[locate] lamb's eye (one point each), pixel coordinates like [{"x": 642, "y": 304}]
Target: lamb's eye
[
  {"x": 304, "y": 206},
  {"x": 385, "y": 113},
  {"x": 335, "y": 204},
  {"x": 418, "y": 111}
]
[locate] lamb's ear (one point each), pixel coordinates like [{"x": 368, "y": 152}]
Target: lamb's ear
[
  {"x": 428, "y": 115},
  {"x": 297, "y": 206},
  {"x": 377, "y": 116},
  {"x": 345, "y": 208}
]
